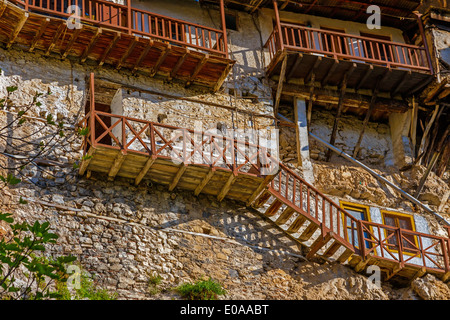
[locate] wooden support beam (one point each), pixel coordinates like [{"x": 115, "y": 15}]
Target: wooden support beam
[
  {"x": 273, "y": 208},
  {"x": 17, "y": 30},
  {"x": 39, "y": 34},
  {"x": 222, "y": 77},
  {"x": 318, "y": 244},
  {"x": 398, "y": 86},
  {"x": 280, "y": 84},
  {"x": 69, "y": 46},
  {"x": 182, "y": 168},
  {"x": 109, "y": 48},
  {"x": 144, "y": 170},
  {"x": 362, "y": 264},
  {"x": 284, "y": 216},
  {"x": 366, "y": 76},
  {"x": 396, "y": 270},
  {"x": 204, "y": 182},
  {"x": 197, "y": 70},
  {"x": 59, "y": 31},
  {"x": 330, "y": 72},
  {"x": 446, "y": 276},
  {"x": 160, "y": 60},
  {"x": 118, "y": 161},
  {"x": 91, "y": 45},
  {"x": 367, "y": 118},
  {"x": 260, "y": 188},
  {"x": 142, "y": 56},
  {"x": 427, "y": 130},
  {"x": 85, "y": 163},
  {"x": 308, "y": 232},
  {"x": 127, "y": 52},
  {"x": 313, "y": 70},
  {"x": 345, "y": 255},
  {"x": 227, "y": 187},
  {"x": 419, "y": 274},
  {"x": 295, "y": 226},
  {"x": 261, "y": 199},
  {"x": 297, "y": 62},
  {"x": 178, "y": 65}
]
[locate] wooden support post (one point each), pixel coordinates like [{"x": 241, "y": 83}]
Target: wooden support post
[
  {"x": 396, "y": 270},
  {"x": 144, "y": 170},
  {"x": 398, "y": 86},
  {"x": 118, "y": 161},
  {"x": 58, "y": 33},
  {"x": 127, "y": 52},
  {"x": 222, "y": 77},
  {"x": 419, "y": 274},
  {"x": 39, "y": 34},
  {"x": 178, "y": 176},
  {"x": 339, "y": 111},
  {"x": 204, "y": 182},
  {"x": 3, "y": 6},
  {"x": 367, "y": 118},
  {"x": 280, "y": 84},
  {"x": 426, "y": 131},
  {"x": 109, "y": 48},
  {"x": 224, "y": 28},
  {"x": 362, "y": 264},
  {"x": 16, "y": 32},
  {"x": 413, "y": 127},
  {"x": 278, "y": 25},
  {"x": 227, "y": 187},
  {"x": 366, "y": 75}
]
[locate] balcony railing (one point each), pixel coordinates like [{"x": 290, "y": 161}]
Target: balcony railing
[
  {"x": 134, "y": 21},
  {"x": 347, "y": 47}
]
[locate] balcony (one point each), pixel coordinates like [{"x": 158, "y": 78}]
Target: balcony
[
  {"x": 203, "y": 162},
  {"x": 118, "y": 35},
  {"x": 329, "y": 57}
]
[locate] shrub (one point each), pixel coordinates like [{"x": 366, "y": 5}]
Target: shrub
[{"x": 201, "y": 290}]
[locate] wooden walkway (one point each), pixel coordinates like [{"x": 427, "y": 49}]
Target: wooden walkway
[{"x": 201, "y": 162}]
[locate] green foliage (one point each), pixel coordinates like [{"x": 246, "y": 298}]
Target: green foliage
[
  {"x": 86, "y": 291},
  {"x": 201, "y": 290},
  {"x": 23, "y": 250},
  {"x": 10, "y": 179},
  {"x": 153, "y": 282}
]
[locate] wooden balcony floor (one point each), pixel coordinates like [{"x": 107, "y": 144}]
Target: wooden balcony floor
[
  {"x": 164, "y": 171},
  {"x": 330, "y": 72},
  {"x": 50, "y": 35}
]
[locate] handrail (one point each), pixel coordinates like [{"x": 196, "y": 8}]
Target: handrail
[
  {"x": 135, "y": 21},
  {"x": 347, "y": 46}
]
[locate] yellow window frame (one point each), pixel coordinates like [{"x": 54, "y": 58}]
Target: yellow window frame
[
  {"x": 413, "y": 226},
  {"x": 355, "y": 207}
]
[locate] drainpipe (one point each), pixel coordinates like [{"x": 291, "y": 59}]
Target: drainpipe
[
  {"x": 377, "y": 176},
  {"x": 424, "y": 39}
]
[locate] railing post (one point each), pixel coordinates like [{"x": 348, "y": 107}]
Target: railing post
[
  {"x": 400, "y": 245},
  {"x": 424, "y": 39},
  {"x": 362, "y": 246},
  {"x": 92, "y": 109},
  {"x": 278, "y": 24},
  {"x": 129, "y": 17},
  {"x": 224, "y": 28}
]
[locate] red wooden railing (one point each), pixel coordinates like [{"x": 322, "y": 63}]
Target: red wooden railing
[
  {"x": 346, "y": 46},
  {"x": 134, "y": 21},
  {"x": 364, "y": 238}
]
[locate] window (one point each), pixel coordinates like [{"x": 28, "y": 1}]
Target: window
[
  {"x": 403, "y": 221},
  {"x": 231, "y": 21},
  {"x": 359, "y": 212}
]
